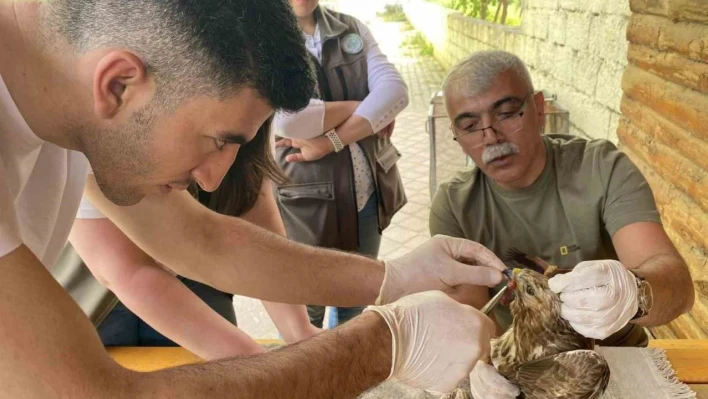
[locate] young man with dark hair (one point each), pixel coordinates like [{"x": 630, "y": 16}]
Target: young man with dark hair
[
  {"x": 158, "y": 94},
  {"x": 157, "y": 307}
]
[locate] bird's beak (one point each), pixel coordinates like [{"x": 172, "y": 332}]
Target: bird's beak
[
  {"x": 508, "y": 273},
  {"x": 509, "y": 295}
]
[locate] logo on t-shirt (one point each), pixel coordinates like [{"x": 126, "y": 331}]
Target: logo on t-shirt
[{"x": 565, "y": 250}]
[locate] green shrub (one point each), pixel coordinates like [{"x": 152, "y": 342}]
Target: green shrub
[
  {"x": 418, "y": 44},
  {"x": 506, "y": 12},
  {"x": 392, "y": 13}
]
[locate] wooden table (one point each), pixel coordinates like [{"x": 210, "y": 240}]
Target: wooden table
[{"x": 689, "y": 359}]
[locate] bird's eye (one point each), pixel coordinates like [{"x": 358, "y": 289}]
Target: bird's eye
[{"x": 529, "y": 290}]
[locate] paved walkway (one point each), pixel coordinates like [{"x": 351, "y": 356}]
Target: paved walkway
[{"x": 409, "y": 227}]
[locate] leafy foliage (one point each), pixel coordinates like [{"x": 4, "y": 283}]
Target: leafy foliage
[
  {"x": 392, "y": 13},
  {"x": 417, "y": 45},
  {"x": 502, "y": 11}
]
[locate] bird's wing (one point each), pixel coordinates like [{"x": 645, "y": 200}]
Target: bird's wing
[{"x": 578, "y": 374}]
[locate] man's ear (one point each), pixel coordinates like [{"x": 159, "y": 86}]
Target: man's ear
[
  {"x": 120, "y": 76},
  {"x": 540, "y": 102}
]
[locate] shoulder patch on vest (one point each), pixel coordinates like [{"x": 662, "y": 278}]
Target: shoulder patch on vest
[{"x": 352, "y": 43}]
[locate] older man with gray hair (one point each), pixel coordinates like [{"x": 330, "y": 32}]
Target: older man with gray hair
[{"x": 575, "y": 203}]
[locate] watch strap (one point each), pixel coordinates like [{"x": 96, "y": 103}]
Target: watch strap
[
  {"x": 644, "y": 299},
  {"x": 334, "y": 138}
]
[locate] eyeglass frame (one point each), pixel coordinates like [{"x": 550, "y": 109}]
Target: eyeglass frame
[{"x": 519, "y": 113}]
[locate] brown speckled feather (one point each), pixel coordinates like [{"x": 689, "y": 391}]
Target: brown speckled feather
[
  {"x": 538, "y": 332},
  {"x": 579, "y": 374}
]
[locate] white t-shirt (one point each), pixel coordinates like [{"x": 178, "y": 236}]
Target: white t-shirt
[{"x": 40, "y": 187}]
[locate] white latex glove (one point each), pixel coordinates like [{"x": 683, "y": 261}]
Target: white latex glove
[
  {"x": 487, "y": 383},
  {"x": 599, "y": 297},
  {"x": 440, "y": 264},
  {"x": 436, "y": 340}
]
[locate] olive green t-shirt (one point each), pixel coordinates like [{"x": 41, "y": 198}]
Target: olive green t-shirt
[{"x": 587, "y": 191}]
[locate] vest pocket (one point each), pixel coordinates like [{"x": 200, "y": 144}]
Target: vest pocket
[
  {"x": 387, "y": 158},
  {"x": 392, "y": 195},
  {"x": 309, "y": 212}
]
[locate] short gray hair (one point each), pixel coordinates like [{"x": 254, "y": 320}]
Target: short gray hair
[{"x": 477, "y": 73}]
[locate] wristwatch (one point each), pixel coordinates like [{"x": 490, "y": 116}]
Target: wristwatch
[
  {"x": 334, "y": 138},
  {"x": 645, "y": 296}
]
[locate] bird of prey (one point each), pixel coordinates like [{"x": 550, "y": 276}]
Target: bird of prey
[{"x": 540, "y": 352}]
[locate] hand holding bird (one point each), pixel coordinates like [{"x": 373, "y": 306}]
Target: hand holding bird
[{"x": 599, "y": 297}]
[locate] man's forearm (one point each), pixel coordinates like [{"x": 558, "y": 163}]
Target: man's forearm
[
  {"x": 672, "y": 291},
  {"x": 235, "y": 256},
  {"x": 339, "y": 363},
  {"x": 275, "y": 269},
  {"x": 50, "y": 350},
  {"x": 291, "y": 320}
]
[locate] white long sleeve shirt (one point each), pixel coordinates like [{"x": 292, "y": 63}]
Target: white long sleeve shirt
[{"x": 388, "y": 96}]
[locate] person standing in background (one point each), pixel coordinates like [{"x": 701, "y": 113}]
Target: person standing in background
[{"x": 344, "y": 183}]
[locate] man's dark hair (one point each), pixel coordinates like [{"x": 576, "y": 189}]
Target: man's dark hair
[{"x": 199, "y": 47}]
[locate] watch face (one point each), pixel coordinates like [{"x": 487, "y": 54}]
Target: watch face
[
  {"x": 645, "y": 298},
  {"x": 648, "y": 295}
]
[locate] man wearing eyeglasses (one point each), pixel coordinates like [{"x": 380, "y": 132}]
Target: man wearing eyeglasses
[{"x": 575, "y": 203}]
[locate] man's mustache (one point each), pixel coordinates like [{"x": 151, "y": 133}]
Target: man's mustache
[{"x": 496, "y": 151}]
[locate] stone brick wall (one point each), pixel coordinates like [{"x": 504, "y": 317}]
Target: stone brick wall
[
  {"x": 664, "y": 129},
  {"x": 575, "y": 49}
]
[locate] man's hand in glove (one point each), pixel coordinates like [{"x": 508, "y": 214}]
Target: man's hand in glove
[
  {"x": 599, "y": 297},
  {"x": 436, "y": 340},
  {"x": 440, "y": 264}
]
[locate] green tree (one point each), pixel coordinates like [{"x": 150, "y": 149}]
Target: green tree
[{"x": 481, "y": 8}]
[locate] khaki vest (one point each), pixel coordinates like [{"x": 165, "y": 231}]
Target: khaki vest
[{"x": 318, "y": 205}]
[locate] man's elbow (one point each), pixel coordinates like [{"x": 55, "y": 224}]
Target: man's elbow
[
  {"x": 685, "y": 288},
  {"x": 689, "y": 296}
]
